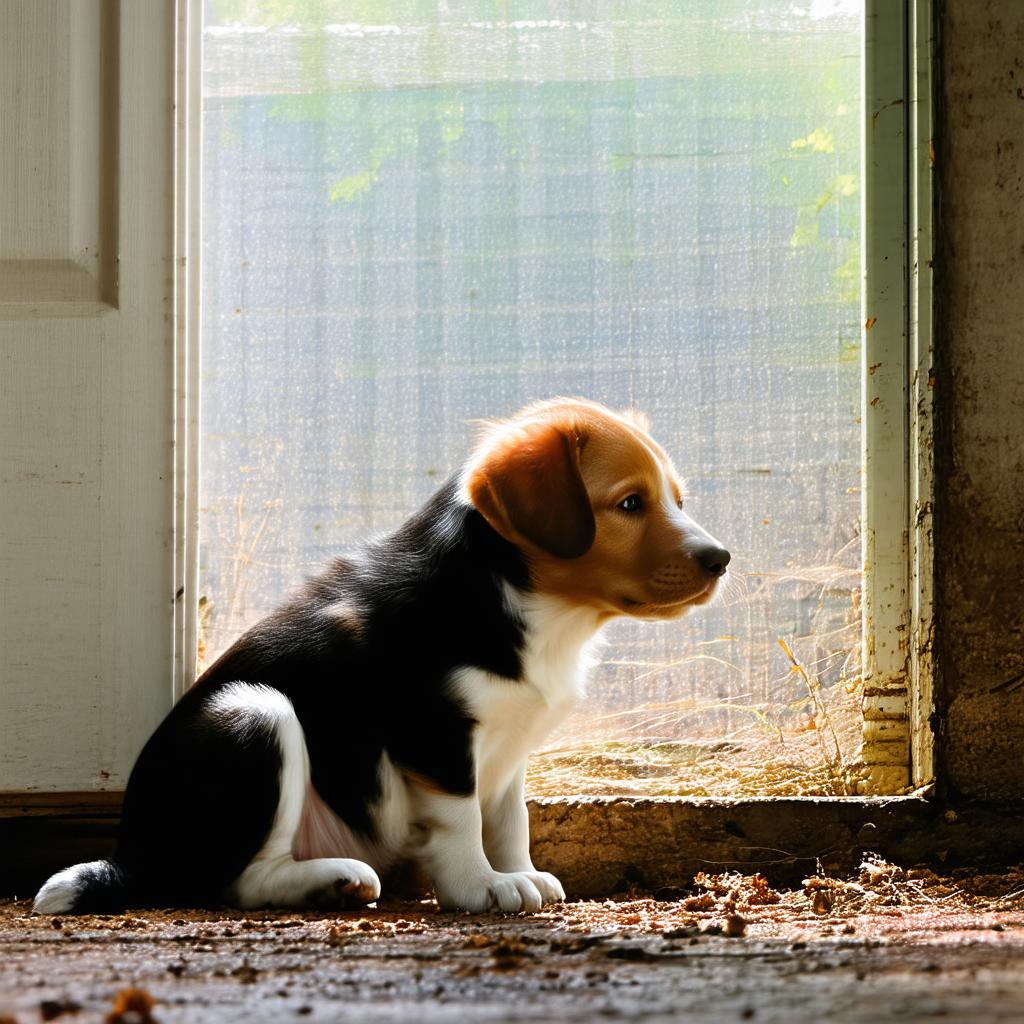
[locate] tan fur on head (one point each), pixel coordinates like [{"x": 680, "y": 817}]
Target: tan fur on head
[
  {"x": 639, "y": 419},
  {"x": 560, "y": 479}
]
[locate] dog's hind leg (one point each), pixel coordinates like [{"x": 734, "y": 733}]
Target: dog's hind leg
[{"x": 274, "y": 878}]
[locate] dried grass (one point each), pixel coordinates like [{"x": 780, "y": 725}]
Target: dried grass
[
  {"x": 803, "y": 738},
  {"x": 786, "y": 749},
  {"x": 880, "y": 884},
  {"x": 878, "y": 887}
]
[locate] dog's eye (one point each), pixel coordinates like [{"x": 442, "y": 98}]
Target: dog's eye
[{"x": 634, "y": 503}]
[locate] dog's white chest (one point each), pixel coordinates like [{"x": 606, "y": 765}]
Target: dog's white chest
[
  {"x": 515, "y": 716},
  {"x": 513, "y": 720}
]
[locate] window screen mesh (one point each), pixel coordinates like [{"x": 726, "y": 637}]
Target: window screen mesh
[{"x": 420, "y": 214}]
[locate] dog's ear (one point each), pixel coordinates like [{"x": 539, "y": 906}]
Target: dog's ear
[{"x": 526, "y": 483}]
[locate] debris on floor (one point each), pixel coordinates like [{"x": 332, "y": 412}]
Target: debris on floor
[{"x": 890, "y": 943}]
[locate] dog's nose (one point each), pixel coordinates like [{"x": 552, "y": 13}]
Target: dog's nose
[{"x": 713, "y": 560}]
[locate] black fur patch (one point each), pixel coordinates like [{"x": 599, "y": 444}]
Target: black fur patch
[{"x": 371, "y": 680}]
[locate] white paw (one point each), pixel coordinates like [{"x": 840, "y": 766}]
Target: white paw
[
  {"x": 505, "y": 891},
  {"x": 549, "y": 887},
  {"x": 338, "y": 882}
]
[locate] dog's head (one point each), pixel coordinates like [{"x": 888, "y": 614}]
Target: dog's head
[{"x": 596, "y": 507}]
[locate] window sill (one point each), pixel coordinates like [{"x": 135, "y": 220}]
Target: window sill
[{"x": 603, "y": 845}]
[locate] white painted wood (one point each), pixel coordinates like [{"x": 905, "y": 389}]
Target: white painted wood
[
  {"x": 40, "y": 84},
  {"x": 188, "y": 190},
  {"x": 86, "y": 387},
  {"x": 58, "y": 80},
  {"x": 898, "y": 407},
  {"x": 886, "y": 588}
]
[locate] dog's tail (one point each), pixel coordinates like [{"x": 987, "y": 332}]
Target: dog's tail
[{"x": 98, "y": 887}]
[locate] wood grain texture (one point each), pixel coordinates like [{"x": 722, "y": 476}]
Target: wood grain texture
[
  {"x": 99, "y": 804},
  {"x": 86, "y": 409},
  {"x": 60, "y": 83}
]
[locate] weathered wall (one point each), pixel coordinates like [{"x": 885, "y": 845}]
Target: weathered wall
[{"x": 980, "y": 459}]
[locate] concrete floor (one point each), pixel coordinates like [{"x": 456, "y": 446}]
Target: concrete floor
[{"x": 632, "y": 958}]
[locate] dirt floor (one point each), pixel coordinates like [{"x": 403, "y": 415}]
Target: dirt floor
[{"x": 887, "y": 945}]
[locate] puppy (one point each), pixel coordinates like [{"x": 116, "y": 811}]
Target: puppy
[{"x": 386, "y": 712}]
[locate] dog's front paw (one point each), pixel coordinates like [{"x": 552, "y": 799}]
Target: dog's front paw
[
  {"x": 338, "y": 883},
  {"x": 505, "y": 891},
  {"x": 549, "y": 887}
]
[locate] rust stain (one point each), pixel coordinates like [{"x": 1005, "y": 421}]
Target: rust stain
[
  {"x": 873, "y": 367},
  {"x": 870, "y": 322},
  {"x": 874, "y": 402}
]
